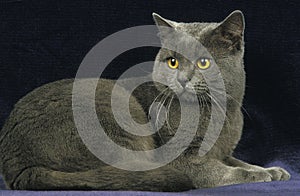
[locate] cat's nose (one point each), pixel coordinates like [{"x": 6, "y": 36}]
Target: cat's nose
[
  {"x": 183, "y": 81},
  {"x": 184, "y": 77}
]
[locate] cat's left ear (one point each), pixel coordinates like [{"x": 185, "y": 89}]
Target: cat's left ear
[{"x": 232, "y": 29}]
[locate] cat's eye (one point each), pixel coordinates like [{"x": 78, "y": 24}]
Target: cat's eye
[
  {"x": 172, "y": 63},
  {"x": 203, "y": 63}
]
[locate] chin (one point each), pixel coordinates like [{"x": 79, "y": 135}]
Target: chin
[{"x": 189, "y": 97}]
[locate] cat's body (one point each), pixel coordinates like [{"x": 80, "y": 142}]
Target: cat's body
[{"x": 41, "y": 147}]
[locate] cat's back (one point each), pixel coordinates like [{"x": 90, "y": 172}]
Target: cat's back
[
  {"x": 41, "y": 101},
  {"x": 52, "y": 100},
  {"x": 40, "y": 129}
]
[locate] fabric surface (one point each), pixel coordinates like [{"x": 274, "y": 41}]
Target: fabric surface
[
  {"x": 44, "y": 41},
  {"x": 291, "y": 187}
]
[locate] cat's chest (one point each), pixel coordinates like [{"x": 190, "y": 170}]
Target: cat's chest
[{"x": 169, "y": 118}]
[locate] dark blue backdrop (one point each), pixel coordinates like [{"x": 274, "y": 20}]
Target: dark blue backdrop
[{"x": 44, "y": 41}]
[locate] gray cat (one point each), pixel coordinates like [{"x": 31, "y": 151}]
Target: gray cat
[{"x": 40, "y": 147}]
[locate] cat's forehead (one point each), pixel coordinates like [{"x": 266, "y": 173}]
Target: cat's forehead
[
  {"x": 191, "y": 43},
  {"x": 196, "y": 29}
]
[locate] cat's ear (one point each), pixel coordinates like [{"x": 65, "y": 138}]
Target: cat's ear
[
  {"x": 232, "y": 29},
  {"x": 165, "y": 27},
  {"x": 162, "y": 22},
  {"x": 234, "y": 23}
]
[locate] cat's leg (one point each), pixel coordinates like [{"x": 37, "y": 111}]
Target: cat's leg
[
  {"x": 277, "y": 173},
  {"x": 213, "y": 172},
  {"x": 106, "y": 178}
]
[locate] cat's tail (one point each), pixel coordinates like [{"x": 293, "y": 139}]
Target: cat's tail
[{"x": 106, "y": 178}]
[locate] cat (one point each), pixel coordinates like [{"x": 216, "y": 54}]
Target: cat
[{"x": 40, "y": 148}]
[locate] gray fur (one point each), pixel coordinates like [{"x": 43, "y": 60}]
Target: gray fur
[{"x": 40, "y": 147}]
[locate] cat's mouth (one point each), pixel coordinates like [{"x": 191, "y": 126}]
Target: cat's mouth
[
  {"x": 186, "y": 91},
  {"x": 191, "y": 91},
  {"x": 190, "y": 95}
]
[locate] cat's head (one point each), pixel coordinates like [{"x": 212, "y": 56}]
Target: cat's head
[{"x": 222, "y": 45}]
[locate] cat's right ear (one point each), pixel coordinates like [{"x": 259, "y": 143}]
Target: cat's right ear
[
  {"x": 164, "y": 26},
  {"x": 162, "y": 22}
]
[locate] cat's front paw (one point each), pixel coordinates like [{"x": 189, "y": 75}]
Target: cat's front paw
[
  {"x": 241, "y": 175},
  {"x": 278, "y": 173}
]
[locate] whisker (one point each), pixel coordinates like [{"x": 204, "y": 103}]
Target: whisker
[
  {"x": 232, "y": 98},
  {"x": 164, "y": 98},
  {"x": 158, "y": 96},
  {"x": 241, "y": 105},
  {"x": 216, "y": 102},
  {"x": 161, "y": 106},
  {"x": 206, "y": 103},
  {"x": 222, "y": 110},
  {"x": 200, "y": 101},
  {"x": 168, "y": 112},
  {"x": 150, "y": 110}
]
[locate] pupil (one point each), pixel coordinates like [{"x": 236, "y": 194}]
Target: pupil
[
  {"x": 203, "y": 62},
  {"x": 173, "y": 61}
]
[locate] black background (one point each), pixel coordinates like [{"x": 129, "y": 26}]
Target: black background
[{"x": 44, "y": 41}]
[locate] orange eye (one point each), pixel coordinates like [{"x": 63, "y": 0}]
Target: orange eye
[
  {"x": 173, "y": 63},
  {"x": 203, "y": 63}
]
